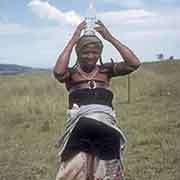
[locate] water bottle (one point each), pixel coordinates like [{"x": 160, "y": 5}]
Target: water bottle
[{"x": 90, "y": 20}]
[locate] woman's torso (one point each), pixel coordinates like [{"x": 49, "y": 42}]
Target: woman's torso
[{"x": 82, "y": 93}]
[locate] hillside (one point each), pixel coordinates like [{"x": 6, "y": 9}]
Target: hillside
[
  {"x": 164, "y": 67},
  {"x": 33, "y": 108},
  {"x": 13, "y": 69}
]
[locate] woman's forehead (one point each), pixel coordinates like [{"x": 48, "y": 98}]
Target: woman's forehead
[{"x": 91, "y": 46}]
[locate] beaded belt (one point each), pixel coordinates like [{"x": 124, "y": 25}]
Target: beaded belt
[{"x": 90, "y": 85}]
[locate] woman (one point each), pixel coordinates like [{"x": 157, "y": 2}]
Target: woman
[{"x": 91, "y": 147}]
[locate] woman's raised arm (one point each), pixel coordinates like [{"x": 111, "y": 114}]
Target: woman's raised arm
[
  {"x": 131, "y": 61},
  {"x": 63, "y": 59}
]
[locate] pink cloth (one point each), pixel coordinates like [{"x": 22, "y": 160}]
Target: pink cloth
[{"x": 85, "y": 166}]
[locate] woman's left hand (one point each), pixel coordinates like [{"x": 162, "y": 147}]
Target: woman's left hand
[{"x": 101, "y": 29}]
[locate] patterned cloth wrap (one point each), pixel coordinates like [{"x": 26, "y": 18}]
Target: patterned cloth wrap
[{"x": 85, "y": 166}]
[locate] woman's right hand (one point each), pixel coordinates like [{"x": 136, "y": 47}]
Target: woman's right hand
[{"x": 77, "y": 32}]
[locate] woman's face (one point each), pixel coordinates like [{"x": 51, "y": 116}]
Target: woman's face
[{"x": 89, "y": 55}]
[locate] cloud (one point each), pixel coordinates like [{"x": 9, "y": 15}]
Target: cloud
[
  {"x": 26, "y": 45},
  {"x": 127, "y": 3},
  {"x": 126, "y": 16},
  {"x": 3, "y": 19},
  {"x": 12, "y": 29},
  {"x": 45, "y": 10},
  {"x": 141, "y": 19}
]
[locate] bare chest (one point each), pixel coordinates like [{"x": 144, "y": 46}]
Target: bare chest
[{"x": 78, "y": 77}]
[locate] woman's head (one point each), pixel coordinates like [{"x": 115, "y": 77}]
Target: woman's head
[{"x": 89, "y": 49}]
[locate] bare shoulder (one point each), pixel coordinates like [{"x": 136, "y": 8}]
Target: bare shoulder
[
  {"x": 65, "y": 76},
  {"x": 106, "y": 67}
]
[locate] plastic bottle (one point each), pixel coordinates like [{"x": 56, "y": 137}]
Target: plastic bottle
[{"x": 90, "y": 20}]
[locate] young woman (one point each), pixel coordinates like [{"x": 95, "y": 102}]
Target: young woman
[{"x": 91, "y": 147}]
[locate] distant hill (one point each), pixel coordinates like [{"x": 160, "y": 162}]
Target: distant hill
[
  {"x": 163, "y": 67},
  {"x": 11, "y": 69},
  {"x": 159, "y": 67}
]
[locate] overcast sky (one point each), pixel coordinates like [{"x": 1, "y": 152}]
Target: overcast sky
[{"x": 34, "y": 32}]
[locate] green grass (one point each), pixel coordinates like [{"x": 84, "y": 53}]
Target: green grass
[{"x": 32, "y": 116}]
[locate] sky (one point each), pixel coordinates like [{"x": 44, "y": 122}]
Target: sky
[{"x": 34, "y": 32}]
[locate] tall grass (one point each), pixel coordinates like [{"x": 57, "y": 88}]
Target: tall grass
[{"x": 32, "y": 116}]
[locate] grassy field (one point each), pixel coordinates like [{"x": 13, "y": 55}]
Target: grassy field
[{"x": 32, "y": 110}]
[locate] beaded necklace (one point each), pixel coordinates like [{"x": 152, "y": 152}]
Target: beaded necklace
[{"x": 89, "y": 76}]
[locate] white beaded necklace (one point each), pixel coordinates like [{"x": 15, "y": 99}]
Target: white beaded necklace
[{"x": 89, "y": 76}]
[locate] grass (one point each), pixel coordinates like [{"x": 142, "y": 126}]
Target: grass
[{"x": 32, "y": 116}]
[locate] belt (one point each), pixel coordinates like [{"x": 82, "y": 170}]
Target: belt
[{"x": 90, "y": 85}]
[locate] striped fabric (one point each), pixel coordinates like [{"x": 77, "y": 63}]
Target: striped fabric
[{"x": 102, "y": 169}]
